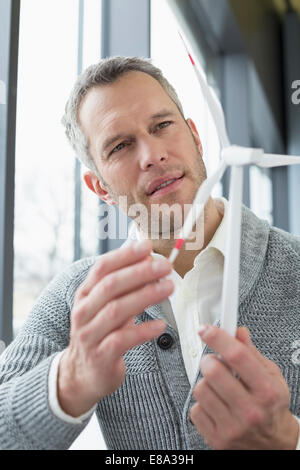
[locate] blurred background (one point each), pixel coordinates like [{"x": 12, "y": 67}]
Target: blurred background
[{"x": 249, "y": 50}]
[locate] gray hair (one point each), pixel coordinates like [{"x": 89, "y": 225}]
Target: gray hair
[{"x": 105, "y": 72}]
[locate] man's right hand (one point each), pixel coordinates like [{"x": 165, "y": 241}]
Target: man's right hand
[{"x": 119, "y": 286}]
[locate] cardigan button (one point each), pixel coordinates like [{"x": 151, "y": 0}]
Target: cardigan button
[{"x": 165, "y": 341}]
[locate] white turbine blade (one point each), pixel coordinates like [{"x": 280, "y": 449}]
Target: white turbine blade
[
  {"x": 212, "y": 100},
  {"x": 215, "y": 108},
  {"x": 269, "y": 160},
  {"x": 230, "y": 294},
  {"x": 200, "y": 200}
]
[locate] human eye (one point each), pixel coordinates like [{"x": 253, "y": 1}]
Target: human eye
[
  {"x": 163, "y": 124},
  {"x": 118, "y": 148}
]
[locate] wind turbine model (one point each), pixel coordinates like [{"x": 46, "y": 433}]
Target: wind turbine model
[{"x": 236, "y": 157}]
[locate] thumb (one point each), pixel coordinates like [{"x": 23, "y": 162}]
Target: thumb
[{"x": 243, "y": 335}]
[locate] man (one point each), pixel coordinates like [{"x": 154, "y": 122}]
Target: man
[{"x": 88, "y": 343}]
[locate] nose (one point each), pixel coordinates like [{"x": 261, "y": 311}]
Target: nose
[{"x": 151, "y": 153}]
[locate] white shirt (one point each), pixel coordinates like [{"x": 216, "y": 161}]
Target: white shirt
[{"x": 195, "y": 300}]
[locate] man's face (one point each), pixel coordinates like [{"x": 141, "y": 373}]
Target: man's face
[{"x": 139, "y": 140}]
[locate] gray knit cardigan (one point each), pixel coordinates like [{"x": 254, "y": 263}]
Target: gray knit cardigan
[{"x": 151, "y": 408}]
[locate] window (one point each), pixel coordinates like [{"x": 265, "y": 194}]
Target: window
[
  {"x": 44, "y": 200},
  {"x": 45, "y": 163}
]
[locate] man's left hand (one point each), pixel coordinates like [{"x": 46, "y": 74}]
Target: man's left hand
[{"x": 248, "y": 412}]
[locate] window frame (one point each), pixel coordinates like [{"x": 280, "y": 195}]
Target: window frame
[{"x": 9, "y": 40}]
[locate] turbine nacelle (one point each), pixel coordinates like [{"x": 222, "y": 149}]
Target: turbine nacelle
[{"x": 236, "y": 155}]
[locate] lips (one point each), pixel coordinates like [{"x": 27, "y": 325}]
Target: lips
[{"x": 154, "y": 185}]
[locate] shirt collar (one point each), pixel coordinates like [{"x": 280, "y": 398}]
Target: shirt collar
[{"x": 218, "y": 241}]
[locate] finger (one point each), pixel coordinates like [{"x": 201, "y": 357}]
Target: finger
[
  {"x": 119, "y": 312},
  {"x": 213, "y": 404},
  {"x": 203, "y": 423},
  {"x": 236, "y": 355},
  {"x": 243, "y": 335},
  {"x": 113, "y": 260},
  {"x": 119, "y": 283},
  {"x": 122, "y": 340},
  {"x": 225, "y": 385}
]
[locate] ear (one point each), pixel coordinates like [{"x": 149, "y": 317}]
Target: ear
[
  {"x": 94, "y": 184},
  {"x": 194, "y": 131}
]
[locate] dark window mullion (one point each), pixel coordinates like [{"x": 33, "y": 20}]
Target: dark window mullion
[
  {"x": 77, "y": 175},
  {"x": 9, "y": 41}
]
